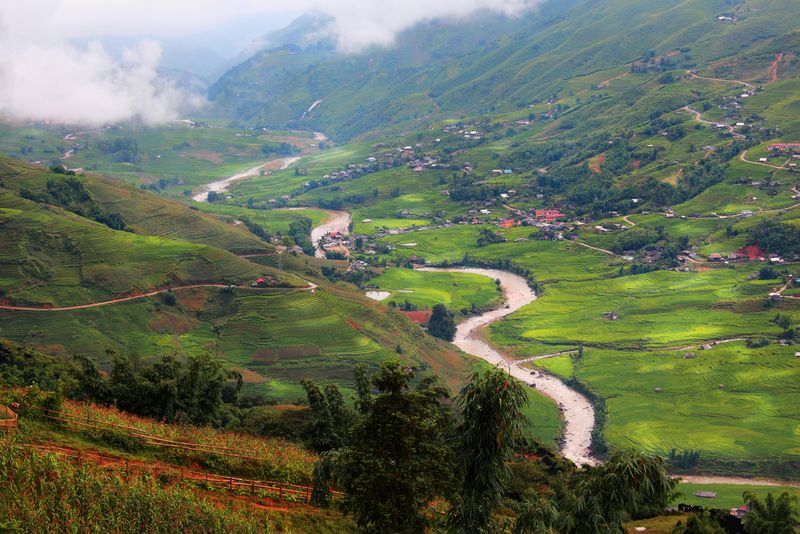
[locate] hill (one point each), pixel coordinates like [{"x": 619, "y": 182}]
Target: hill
[
  {"x": 158, "y": 285},
  {"x": 487, "y": 64}
]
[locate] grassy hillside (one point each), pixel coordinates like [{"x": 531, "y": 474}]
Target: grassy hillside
[
  {"x": 55, "y": 257},
  {"x": 143, "y": 212},
  {"x": 487, "y": 65}
]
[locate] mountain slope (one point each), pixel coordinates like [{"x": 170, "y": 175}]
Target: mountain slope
[{"x": 491, "y": 64}]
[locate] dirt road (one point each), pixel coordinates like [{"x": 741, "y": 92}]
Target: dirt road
[
  {"x": 132, "y": 297},
  {"x": 576, "y": 410}
]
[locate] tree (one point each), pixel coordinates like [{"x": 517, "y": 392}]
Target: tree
[
  {"x": 492, "y": 407},
  {"x": 397, "y": 461},
  {"x": 441, "y": 323},
  {"x": 772, "y": 516},
  {"x": 598, "y": 500},
  {"x": 698, "y": 524},
  {"x": 329, "y": 417}
]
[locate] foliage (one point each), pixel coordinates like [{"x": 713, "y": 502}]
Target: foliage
[
  {"x": 600, "y": 499},
  {"x": 635, "y": 239},
  {"x": 169, "y": 390},
  {"x": 441, "y": 323},
  {"x": 43, "y": 493},
  {"x": 329, "y": 417},
  {"x": 71, "y": 194},
  {"x": 775, "y": 236},
  {"x": 122, "y": 150},
  {"x": 699, "y": 524},
  {"x": 685, "y": 460},
  {"x": 397, "y": 460},
  {"x": 772, "y": 515},
  {"x": 490, "y": 429}
]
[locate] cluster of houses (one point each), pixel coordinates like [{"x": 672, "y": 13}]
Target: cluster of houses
[
  {"x": 468, "y": 131},
  {"x": 336, "y": 242}
]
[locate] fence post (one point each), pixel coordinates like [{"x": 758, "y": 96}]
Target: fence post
[
  {"x": 230, "y": 482},
  {"x": 308, "y": 494},
  {"x": 280, "y": 490},
  {"x": 252, "y": 487}
]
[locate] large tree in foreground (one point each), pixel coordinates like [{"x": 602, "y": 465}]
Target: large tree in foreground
[
  {"x": 398, "y": 460},
  {"x": 492, "y": 407}
]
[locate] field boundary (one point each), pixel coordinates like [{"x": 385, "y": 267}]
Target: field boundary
[{"x": 281, "y": 490}]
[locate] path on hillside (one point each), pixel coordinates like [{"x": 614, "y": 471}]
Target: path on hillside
[
  {"x": 576, "y": 410},
  {"x": 221, "y": 186},
  {"x": 309, "y": 287},
  {"x": 743, "y": 157},
  {"x": 627, "y": 220},
  {"x": 604, "y": 251},
  {"x": 740, "y": 82},
  {"x": 774, "y": 67}
]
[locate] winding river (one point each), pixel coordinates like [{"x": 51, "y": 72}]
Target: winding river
[
  {"x": 222, "y": 185},
  {"x": 576, "y": 410}
]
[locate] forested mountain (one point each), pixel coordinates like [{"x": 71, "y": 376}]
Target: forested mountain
[{"x": 488, "y": 63}]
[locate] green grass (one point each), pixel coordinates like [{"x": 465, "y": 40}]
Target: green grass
[
  {"x": 50, "y": 256},
  {"x": 273, "y": 220},
  {"x": 729, "y": 495},
  {"x": 663, "y": 308},
  {"x": 657, "y": 401},
  {"x": 143, "y": 212},
  {"x": 455, "y": 290},
  {"x": 281, "y": 336}
]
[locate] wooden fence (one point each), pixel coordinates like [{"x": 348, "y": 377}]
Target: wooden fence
[
  {"x": 280, "y": 490},
  {"x": 147, "y": 439},
  {"x": 8, "y": 420},
  {"x": 260, "y": 488}
]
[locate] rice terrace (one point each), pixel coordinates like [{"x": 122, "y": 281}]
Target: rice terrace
[{"x": 525, "y": 266}]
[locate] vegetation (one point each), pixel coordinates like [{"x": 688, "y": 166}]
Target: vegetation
[
  {"x": 397, "y": 460},
  {"x": 441, "y": 323},
  {"x": 43, "y": 493}
]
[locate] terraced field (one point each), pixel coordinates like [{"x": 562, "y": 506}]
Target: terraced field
[
  {"x": 277, "y": 337},
  {"x": 143, "y": 212},
  {"x": 711, "y": 305},
  {"x": 50, "y": 256},
  {"x": 729, "y": 402}
]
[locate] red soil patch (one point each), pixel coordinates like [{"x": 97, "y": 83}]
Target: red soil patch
[
  {"x": 172, "y": 324},
  {"x": 595, "y": 167},
  {"x": 774, "y": 67},
  {"x": 418, "y": 316},
  {"x": 636, "y": 164},
  {"x": 251, "y": 377},
  {"x": 753, "y": 252}
]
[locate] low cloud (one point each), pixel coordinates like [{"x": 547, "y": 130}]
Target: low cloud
[
  {"x": 44, "y": 77},
  {"x": 61, "y": 83},
  {"x": 362, "y": 23}
]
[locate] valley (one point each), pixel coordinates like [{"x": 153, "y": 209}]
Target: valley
[{"x": 595, "y": 207}]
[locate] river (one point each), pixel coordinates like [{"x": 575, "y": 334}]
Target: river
[
  {"x": 576, "y": 410},
  {"x": 222, "y": 185}
]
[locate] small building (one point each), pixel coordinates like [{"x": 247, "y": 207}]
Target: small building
[
  {"x": 715, "y": 257},
  {"x": 705, "y": 494}
]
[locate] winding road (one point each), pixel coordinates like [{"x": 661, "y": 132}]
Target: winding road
[{"x": 576, "y": 410}]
